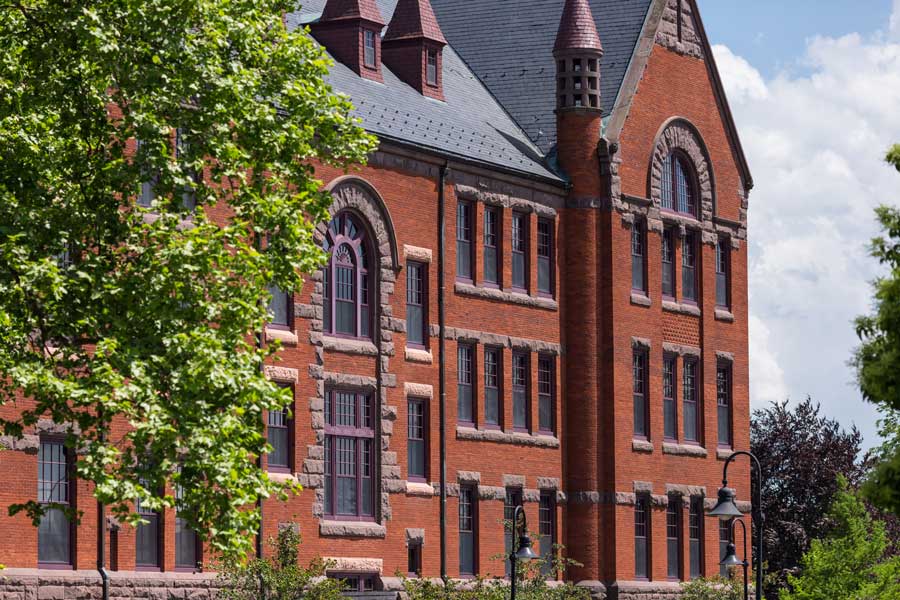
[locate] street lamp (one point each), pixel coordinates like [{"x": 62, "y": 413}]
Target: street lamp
[
  {"x": 726, "y": 510},
  {"x": 521, "y": 546},
  {"x": 731, "y": 560}
]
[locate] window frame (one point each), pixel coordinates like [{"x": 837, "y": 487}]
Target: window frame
[
  {"x": 674, "y": 524},
  {"x": 552, "y": 524},
  {"x": 522, "y": 388},
  {"x": 160, "y": 549},
  {"x": 725, "y": 369},
  {"x": 696, "y": 514},
  {"x": 460, "y": 383},
  {"x": 431, "y": 68},
  {"x": 288, "y": 426},
  {"x": 550, "y": 395},
  {"x": 370, "y": 62},
  {"x": 465, "y": 246},
  {"x": 364, "y": 400},
  {"x": 424, "y": 415},
  {"x": 496, "y": 246},
  {"x": 690, "y": 242},
  {"x": 364, "y": 278},
  {"x": 670, "y": 359},
  {"x": 643, "y": 523},
  {"x": 470, "y": 493},
  {"x": 670, "y": 186},
  {"x": 545, "y": 253},
  {"x": 695, "y": 379},
  {"x": 514, "y": 496},
  {"x": 198, "y": 546},
  {"x": 521, "y": 227},
  {"x": 668, "y": 267},
  {"x": 422, "y": 269},
  {"x": 497, "y": 352},
  {"x": 414, "y": 558},
  {"x": 639, "y": 257},
  {"x": 640, "y": 392},
  {"x": 70, "y": 499},
  {"x": 358, "y": 579},
  {"x": 723, "y": 273}
]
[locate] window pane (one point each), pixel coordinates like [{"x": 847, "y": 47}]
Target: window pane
[
  {"x": 667, "y": 191},
  {"x": 467, "y": 531},
  {"x": 668, "y": 265},
  {"x": 147, "y": 542},
  {"x": 724, "y": 538},
  {"x": 545, "y": 394},
  {"x": 520, "y": 391},
  {"x": 416, "y": 429},
  {"x": 673, "y": 537},
  {"x": 491, "y": 238},
  {"x": 465, "y": 377},
  {"x": 670, "y": 415},
  {"x": 723, "y": 405},
  {"x": 370, "y": 48},
  {"x": 519, "y": 250},
  {"x": 690, "y": 401},
  {"x": 279, "y": 308},
  {"x": 492, "y": 386},
  {"x": 688, "y": 267},
  {"x": 545, "y": 253},
  {"x": 54, "y": 531},
  {"x": 186, "y": 554},
  {"x": 53, "y": 537},
  {"x": 684, "y": 189},
  {"x": 722, "y": 259},
  {"x": 279, "y": 439},
  {"x": 513, "y": 499},
  {"x": 431, "y": 69},
  {"x": 547, "y": 530},
  {"x": 639, "y": 384},
  {"x": 696, "y": 536},
  {"x": 346, "y": 476},
  {"x": 637, "y": 257},
  {"x": 641, "y": 531},
  {"x": 464, "y": 240}
]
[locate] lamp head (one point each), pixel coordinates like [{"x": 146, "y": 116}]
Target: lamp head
[
  {"x": 731, "y": 559},
  {"x": 525, "y": 552},
  {"x": 725, "y": 508}
]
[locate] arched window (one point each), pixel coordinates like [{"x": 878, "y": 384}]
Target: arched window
[
  {"x": 678, "y": 190},
  {"x": 347, "y": 280}
]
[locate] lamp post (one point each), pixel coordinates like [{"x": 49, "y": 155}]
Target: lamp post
[
  {"x": 731, "y": 560},
  {"x": 521, "y": 546},
  {"x": 726, "y": 510}
]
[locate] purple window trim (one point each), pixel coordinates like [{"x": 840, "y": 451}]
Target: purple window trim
[
  {"x": 465, "y": 232},
  {"x": 723, "y": 273},
  {"x": 689, "y": 260},
  {"x": 468, "y": 524},
  {"x": 68, "y": 493},
  {"x": 425, "y": 438},
  {"x": 521, "y": 382},
  {"x": 724, "y": 399},
  {"x": 670, "y": 394},
  {"x": 492, "y": 240},
  {"x": 346, "y": 230},
  {"x": 674, "y": 534},
  {"x": 547, "y": 390},
  {"x": 640, "y": 395},
  {"x": 690, "y": 398},
  {"x": 545, "y": 252},
  {"x": 642, "y": 533},
  {"x": 696, "y": 534},
  {"x": 465, "y": 377},
  {"x": 520, "y": 249},
  {"x": 639, "y": 257},
  {"x": 423, "y": 301},
  {"x": 364, "y": 406},
  {"x": 493, "y": 371},
  {"x": 668, "y": 238}
]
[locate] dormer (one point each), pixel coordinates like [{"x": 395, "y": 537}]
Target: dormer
[
  {"x": 351, "y": 32},
  {"x": 577, "y": 52},
  {"x": 414, "y": 47}
]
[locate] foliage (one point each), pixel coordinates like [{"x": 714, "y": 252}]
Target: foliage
[
  {"x": 532, "y": 584},
  {"x": 280, "y": 577},
  {"x": 718, "y": 588},
  {"x": 850, "y": 563},
  {"x": 802, "y": 453},
  {"x": 136, "y": 327}
]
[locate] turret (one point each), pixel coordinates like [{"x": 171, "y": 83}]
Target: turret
[
  {"x": 414, "y": 45},
  {"x": 578, "y": 52},
  {"x": 351, "y": 32}
]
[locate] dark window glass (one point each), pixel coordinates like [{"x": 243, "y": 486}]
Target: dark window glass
[
  {"x": 414, "y": 559},
  {"x": 491, "y": 243},
  {"x": 723, "y": 404},
  {"x": 188, "y": 191},
  {"x": 668, "y": 264},
  {"x": 346, "y": 279},
  {"x": 724, "y": 539},
  {"x": 369, "y": 48},
  {"x": 520, "y": 379},
  {"x": 355, "y": 583},
  {"x": 695, "y": 534},
  {"x": 673, "y": 537},
  {"x": 492, "y": 377},
  {"x": 148, "y": 183},
  {"x": 638, "y": 254},
  {"x": 415, "y": 303},
  {"x": 464, "y": 240},
  {"x": 668, "y": 190},
  {"x": 520, "y": 250},
  {"x": 279, "y": 306},
  {"x": 641, "y": 537},
  {"x": 545, "y": 255},
  {"x": 146, "y": 543},
  {"x": 639, "y": 384},
  {"x": 54, "y": 487},
  {"x": 677, "y": 191},
  {"x": 279, "y": 437},
  {"x": 417, "y": 430},
  {"x": 689, "y": 399},
  {"x": 513, "y": 499},
  {"x": 349, "y": 462},
  {"x": 689, "y": 267},
  {"x": 431, "y": 68},
  {"x": 468, "y": 531},
  {"x": 670, "y": 400},
  {"x": 465, "y": 377},
  {"x": 723, "y": 258},
  {"x": 547, "y": 530},
  {"x": 187, "y": 546},
  {"x": 546, "y": 388}
]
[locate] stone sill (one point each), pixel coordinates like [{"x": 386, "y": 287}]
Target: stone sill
[
  {"x": 283, "y": 477},
  {"x": 282, "y": 335},
  {"x": 345, "y": 346},
  {"x": 419, "y": 489},
  {"x": 685, "y": 450},
  {"x": 639, "y": 299},
  {"x": 506, "y": 437},
  {"x": 723, "y": 453},
  {"x": 646, "y": 587},
  {"x": 487, "y": 293},
  {"x": 352, "y": 529},
  {"x": 91, "y": 577},
  {"x": 644, "y": 446},
  {"x": 682, "y": 308},
  {"x": 419, "y": 355},
  {"x": 724, "y": 315}
]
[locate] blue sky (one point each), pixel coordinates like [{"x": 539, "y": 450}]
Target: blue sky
[{"x": 815, "y": 91}]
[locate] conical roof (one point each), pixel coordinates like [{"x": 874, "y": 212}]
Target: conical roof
[
  {"x": 352, "y": 9},
  {"x": 577, "y": 29},
  {"x": 414, "y": 19}
]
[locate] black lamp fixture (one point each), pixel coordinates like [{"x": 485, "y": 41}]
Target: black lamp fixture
[
  {"x": 731, "y": 560},
  {"x": 521, "y": 546}
]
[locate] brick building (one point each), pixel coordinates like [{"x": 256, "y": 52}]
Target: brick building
[{"x": 587, "y": 308}]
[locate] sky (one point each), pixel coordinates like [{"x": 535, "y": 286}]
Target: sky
[{"x": 815, "y": 89}]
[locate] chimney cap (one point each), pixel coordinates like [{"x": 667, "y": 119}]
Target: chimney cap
[
  {"x": 577, "y": 29},
  {"x": 338, "y": 10},
  {"x": 414, "y": 19}
]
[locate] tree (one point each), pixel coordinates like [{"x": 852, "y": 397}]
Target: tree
[
  {"x": 802, "y": 453},
  {"x": 134, "y": 326},
  {"x": 850, "y": 562},
  {"x": 877, "y": 359}
]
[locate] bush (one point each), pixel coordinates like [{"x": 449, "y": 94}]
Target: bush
[{"x": 718, "y": 588}]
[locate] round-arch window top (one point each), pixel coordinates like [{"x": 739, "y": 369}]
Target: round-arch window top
[{"x": 347, "y": 281}]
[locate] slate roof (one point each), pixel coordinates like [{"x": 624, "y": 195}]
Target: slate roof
[
  {"x": 509, "y": 46},
  {"x": 577, "y": 28},
  {"x": 470, "y": 125},
  {"x": 418, "y": 21}
]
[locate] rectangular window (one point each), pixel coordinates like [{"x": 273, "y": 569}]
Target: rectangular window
[
  {"x": 189, "y": 191},
  {"x": 147, "y": 536},
  {"x": 355, "y": 583},
  {"x": 545, "y": 256},
  {"x": 54, "y": 487},
  {"x": 414, "y": 559},
  {"x": 689, "y": 267},
  {"x": 695, "y": 534},
  {"x": 279, "y": 307},
  {"x": 431, "y": 67},
  {"x": 468, "y": 532},
  {"x": 520, "y": 380},
  {"x": 642, "y": 537},
  {"x": 723, "y": 268},
  {"x": 369, "y": 47},
  {"x": 670, "y": 400},
  {"x": 724, "y": 539},
  {"x": 513, "y": 499},
  {"x": 491, "y": 245},
  {"x": 349, "y": 455},
  {"x": 638, "y": 256},
  {"x": 639, "y": 384},
  {"x": 279, "y": 436},
  {"x": 417, "y": 432},
  {"x": 464, "y": 240},
  {"x": 547, "y": 530},
  {"x": 465, "y": 377},
  {"x": 187, "y": 544},
  {"x": 689, "y": 399},
  {"x": 673, "y": 537},
  {"x": 520, "y": 251},
  {"x": 723, "y": 404},
  {"x": 415, "y": 304},
  {"x": 546, "y": 393},
  {"x": 668, "y": 263},
  {"x": 493, "y": 375},
  {"x": 148, "y": 183}
]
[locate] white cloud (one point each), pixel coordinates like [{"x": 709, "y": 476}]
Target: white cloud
[{"x": 815, "y": 142}]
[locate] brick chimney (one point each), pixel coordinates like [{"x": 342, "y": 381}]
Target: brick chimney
[
  {"x": 414, "y": 45},
  {"x": 351, "y": 32}
]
